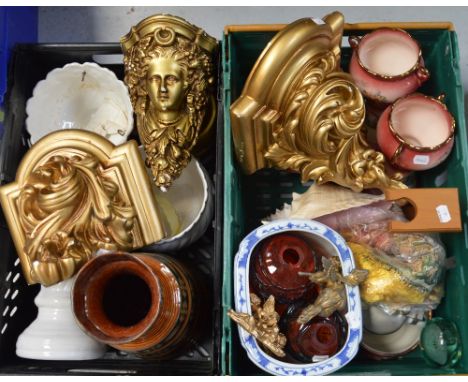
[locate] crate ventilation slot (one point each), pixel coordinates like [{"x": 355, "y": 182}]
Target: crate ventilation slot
[{"x": 13, "y": 311}]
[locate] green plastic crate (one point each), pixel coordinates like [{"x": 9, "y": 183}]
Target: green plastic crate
[{"x": 247, "y": 199}]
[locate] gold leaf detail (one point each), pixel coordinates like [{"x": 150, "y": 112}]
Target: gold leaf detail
[
  {"x": 168, "y": 125},
  {"x": 321, "y": 133},
  {"x": 68, "y": 210}
]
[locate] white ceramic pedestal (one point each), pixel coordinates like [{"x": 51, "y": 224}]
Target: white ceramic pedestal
[{"x": 55, "y": 335}]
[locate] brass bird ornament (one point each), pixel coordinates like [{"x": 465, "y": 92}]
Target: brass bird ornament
[{"x": 332, "y": 296}]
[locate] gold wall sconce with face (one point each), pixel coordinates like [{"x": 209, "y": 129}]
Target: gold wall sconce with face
[
  {"x": 169, "y": 71},
  {"x": 299, "y": 111},
  {"x": 75, "y": 193}
]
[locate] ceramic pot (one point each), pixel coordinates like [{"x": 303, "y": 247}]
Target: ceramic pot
[
  {"x": 378, "y": 322},
  {"x": 140, "y": 303},
  {"x": 276, "y": 265},
  {"x": 330, "y": 243},
  {"x": 187, "y": 207},
  {"x": 416, "y": 132},
  {"x": 55, "y": 335},
  {"x": 80, "y": 96},
  {"x": 387, "y": 64},
  {"x": 392, "y": 345}
]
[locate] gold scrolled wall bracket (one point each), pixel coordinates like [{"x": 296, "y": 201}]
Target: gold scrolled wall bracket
[
  {"x": 298, "y": 111},
  {"x": 75, "y": 193}
]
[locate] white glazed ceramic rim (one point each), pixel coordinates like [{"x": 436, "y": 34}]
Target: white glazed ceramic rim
[
  {"x": 413, "y": 342},
  {"x": 422, "y": 98},
  {"x": 40, "y": 90},
  {"x": 206, "y": 191},
  {"x": 378, "y": 34},
  {"x": 353, "y": 316}
]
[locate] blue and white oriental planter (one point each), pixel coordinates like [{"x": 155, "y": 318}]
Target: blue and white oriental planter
[{"x": 335, "y": 245}]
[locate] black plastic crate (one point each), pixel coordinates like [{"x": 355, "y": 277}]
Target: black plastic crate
[{"x": 30, "y": 64}]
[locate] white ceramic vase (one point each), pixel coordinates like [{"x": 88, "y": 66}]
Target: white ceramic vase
[{"x": 55, "y": 335}]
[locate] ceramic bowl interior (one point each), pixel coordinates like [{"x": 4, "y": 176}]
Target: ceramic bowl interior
[
  {"x": 326, "y": 241},
  {"x": 184, "y": 202},
  {"x": 397, "y": 343},
  {"x": 80, "y": 96},
  {"x": 376, "y": 321},
  {"x": 389, "y": 52},
  {"x": 421, "y": 121}
]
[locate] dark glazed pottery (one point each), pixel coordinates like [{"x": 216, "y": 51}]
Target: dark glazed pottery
[
  {"x": 276, "y": 266},
  {"x": 138, "y": 303},
  {"x": 321, "y": 336}
]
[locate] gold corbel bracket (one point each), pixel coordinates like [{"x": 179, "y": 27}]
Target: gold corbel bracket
[
  {"x": 75, "y": 193},
  {"x": 298, "y": 111}
]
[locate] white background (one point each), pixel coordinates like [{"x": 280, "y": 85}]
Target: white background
[{"x": 108, "y": 24}]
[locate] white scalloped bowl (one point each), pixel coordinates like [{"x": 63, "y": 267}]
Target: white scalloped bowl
[{"x": 80, "y": 96}]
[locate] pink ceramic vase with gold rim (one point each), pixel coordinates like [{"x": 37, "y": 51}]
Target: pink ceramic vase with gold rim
[
  {"x": 387, "y": 64},
  {"x": 140, "y": 303},
  {"x": 416, "y": 132}
]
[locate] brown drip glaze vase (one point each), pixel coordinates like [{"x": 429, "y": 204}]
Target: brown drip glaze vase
[{"x": 147, "y": 304}]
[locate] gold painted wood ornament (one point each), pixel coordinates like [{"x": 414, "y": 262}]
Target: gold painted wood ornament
[
  {"x": 75, "y": 193},
  {"x": 332, "y": 295},
  {"x": 298, "y": 111},
  {"x": 170, "y": 74},
  {"x": 263, "y": 324}
]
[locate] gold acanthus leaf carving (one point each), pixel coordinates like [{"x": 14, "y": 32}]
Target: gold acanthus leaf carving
[
  {"x": 68, "y": 210},
  {"x": 320, "y": 135}
]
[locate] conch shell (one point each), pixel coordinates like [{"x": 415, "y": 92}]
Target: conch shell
[{"x": 320, "y": 200}]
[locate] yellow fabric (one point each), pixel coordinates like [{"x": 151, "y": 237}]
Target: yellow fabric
[{"x": 384, "y": 283}]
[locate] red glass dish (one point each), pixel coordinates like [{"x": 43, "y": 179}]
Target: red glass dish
[
  {"x": 318, "y": 337},
  {"x": 276, "y": 266}
]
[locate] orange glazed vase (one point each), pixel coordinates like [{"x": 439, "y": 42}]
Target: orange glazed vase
[{"x": 140, "y": 303}]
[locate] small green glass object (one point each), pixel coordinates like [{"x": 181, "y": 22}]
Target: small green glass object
[{"x": 440, "y": 343}]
